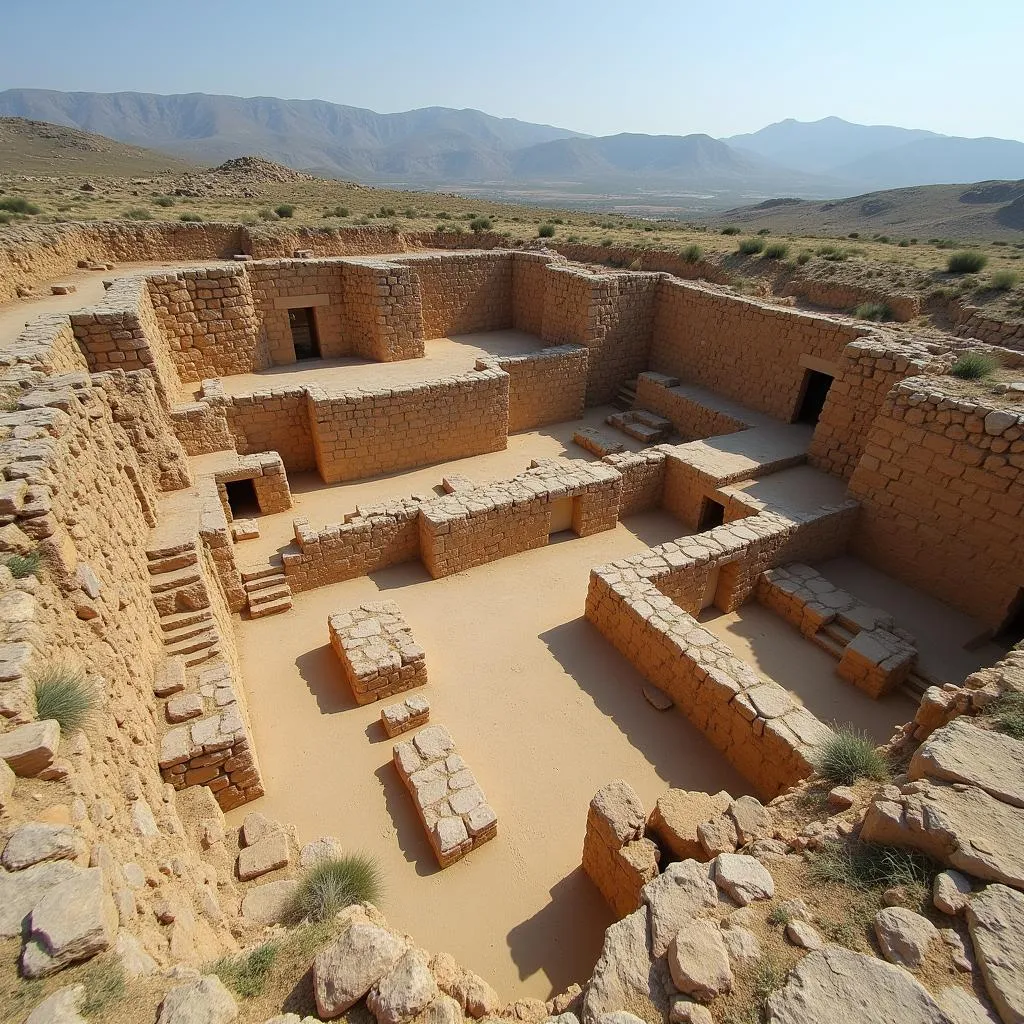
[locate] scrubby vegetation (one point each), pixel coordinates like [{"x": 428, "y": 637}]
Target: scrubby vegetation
[
  {"x": 137, "y": 213},
  {"x": 23, "y": 566},
  {"x": 190, "y": 218},
  {"x": 966, "y": 262},
  {"x": 975, "y": 366},
  {"x": 692, "y": 254},
  {"x": 287, "y": 210},
  {"x": 478, "y": 224},
  {"x": 1008, "y": 714},
  {"x": 164, "y": 201},
  {"x": 247, "y": 973},
  {"x": 104, "y": 981},
  {"x": 63, "y": 694},
  {"x": 730, "y": 231},
  {"x": 1003, "y": 280},
  {"x": 849, "y": 755},
  {"x": 546, "y": 231},
  {"x": 868, "y": 866},
  {"x": 334, "y": 883},
  {"x": 776, "y": 251},
  {"x": 18, "y": 204},
  {"x": 750, "y": 246},
  {"x": 873, "y": 311}
]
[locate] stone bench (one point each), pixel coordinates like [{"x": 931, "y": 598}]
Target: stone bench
[
  {"x": 448, "y": 799},
  {"x": 377, "y": 652},
  {"x": 597, "y": 442},
  {"x": 411, "y": 713}
]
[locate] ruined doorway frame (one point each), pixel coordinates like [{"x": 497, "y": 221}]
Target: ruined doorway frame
[
  {"x": 309, "y": 314},
  {"x": 808, "y": 407}
]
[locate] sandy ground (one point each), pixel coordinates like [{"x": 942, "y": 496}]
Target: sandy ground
[{"x": 545, "y": 712}]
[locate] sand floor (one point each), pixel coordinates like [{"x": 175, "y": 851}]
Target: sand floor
[{"x": 545, "y": 712}]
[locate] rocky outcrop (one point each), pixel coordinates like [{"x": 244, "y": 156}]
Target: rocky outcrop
[
  {"x": 995, "y": 918},
  {"x": 204, "y": 1001}
]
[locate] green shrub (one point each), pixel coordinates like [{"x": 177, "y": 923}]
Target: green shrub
[
  {"x": 750, "y": 246},
  {"x": 386, "y": 211},
  {"x": 606, "y": 242},
  {"x": 478, "y": 224},
  {"x": 546, "y": 231},
  {"x": 137, "y": 213},
  {"x": 334, "y": 883},
  {"x": 18, "y": 204},
  {"x": 191, "y": 218},
  {"x": 764, "y": 231},
  {"x": 848, "y": 755},
  {"x": 873, "y": 311},
  {"x": 803, "y": 258},
  {"x": 1008, "y": 714},
  {"x": 853, "y": 234},
  {"x": 776, "y": 251},
  {"x": 23, "y": 566},
  {"x": 409, "y": 213},
  {"x": 266, "y": 213},
  {"x": 730, "y": 230},
  {"x": 247, "y": 973},
  {"x": 975, "y": 366},
  {"x": 63, "y": 694},
  {"x": 285, "y": 210},
  {"x": 966, "y": 262},
  {"x": 1003, "y": 280},
  {"x": 943, "y": 243},
  {"x": 164, "y": 201},
  {"x": 869, "y": 866},
  {"x": 444, "y": 215},
  {"x": 692, "y": 254},
  {"x": 336, "y": 211},
  {"x": 104, "y": 981},
  {"x": 457, "y": 229}
]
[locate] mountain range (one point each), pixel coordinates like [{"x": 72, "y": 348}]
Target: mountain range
[{"x": 440, "y": 146}]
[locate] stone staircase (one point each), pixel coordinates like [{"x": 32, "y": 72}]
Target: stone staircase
[
  {"x": 267, "y": 589},
  {"x": 626, "y": 397},
  {"x": 182, "y": 601},
  {"x": 641, "y": 424}
]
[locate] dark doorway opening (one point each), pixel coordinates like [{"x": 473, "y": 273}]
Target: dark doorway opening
[
  {"x": 242, "y": 499},
  {"x": 712, "y": 514},
  {"x": 816, "y": 385},
  {"x": 1011, "y": 632},
  {"x": 304, "y": 336}
]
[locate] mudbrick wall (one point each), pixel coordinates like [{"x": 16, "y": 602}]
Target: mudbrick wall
[
  {"x": 941, "y": 484},
  {"x": 549, "y": 386}
]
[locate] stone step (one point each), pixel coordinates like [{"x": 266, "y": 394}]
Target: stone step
[
  {"x": 839, "y": 633},
  {"x": 200, "y": 642},
  {"x": 257, "y": 572},
  {"x": 168, "y": 563},
  {"x": 652, "y": 419},
  {"x": 828, "y": 644},
  {"x": 270, "y": 594},
  {"x": 251, "y": 586},
  {"x": 915, "y": 685},
  {"x": 175, "y": 579},
  {"x": 170, "y": 546},
  {"x": 201, "y": 655},
  {"x": 178, "y": 619},
  {"x": 642, "y": 432},
  {"x": 270, "y": 608},
  {"x": 188, "y": 630}
]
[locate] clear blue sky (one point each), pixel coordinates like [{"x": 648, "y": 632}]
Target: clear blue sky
[{"x": 597, "y": 66}]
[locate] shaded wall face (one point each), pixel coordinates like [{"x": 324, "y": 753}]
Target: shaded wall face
[
  {"x": 277, "y": 422},
  {"x": 461, "y": 294}
]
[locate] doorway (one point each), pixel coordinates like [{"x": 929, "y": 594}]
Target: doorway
[
  {"x": 242, "y": 499},
  {"x": 304, "y": 337},
  {"x": 712, "y": 514},
  {"x": 1011, "y": 632},
  {"x": 815, "y": 391}
]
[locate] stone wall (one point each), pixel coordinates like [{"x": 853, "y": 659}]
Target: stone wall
[
  {"x": 691, "y": 418},
  {"x": 361, "y": 434},
  {"x": 842, "y": 295},
  {"x": 279, "y": 420},
  {"x": 941, "y": 484},
  {"x": 744, "y": 350},
  {"x": 529, "y": 291},
  {"x": 47, "y": 345},
  {"x": 383, "y": 312},
  {"x": 643, "y": 479}
]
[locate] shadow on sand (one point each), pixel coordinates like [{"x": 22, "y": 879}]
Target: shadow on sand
[{"x": 409, "y": 831}]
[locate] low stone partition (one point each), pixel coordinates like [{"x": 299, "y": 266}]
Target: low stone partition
[
  {"x": 471, "y": 527},
  {"x": 643, "y": 478},
  {"x": 410, "y": 714},
  {"x": 645, "y": 605},
  {"x": 377, "y": 652},
  {"x": 549, "y": 386},
  {"x": 448, "y": 799},
  {"x": 695, "y": 412},
  {"x": 616, "y": 856},
  {"x": 598, "y": 442}
]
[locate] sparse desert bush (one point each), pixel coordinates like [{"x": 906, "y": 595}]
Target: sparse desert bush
[
  {"x": 336, "y": 211},
  {"x": 104, "y": 981},
  {"x": 1008, "y": 714},
  {"x": 873, "y": 311},
  {"x": 606, "y": 242},
  {"x": 780, "y": 916},
  {"x": 164, "y": 201},
  {"x": 286, "y": 210},
  {"x": 457, "y": 229},
  {"x": 247, "y": 973},
  {"x": 386, "y": 211},
  {"x": 975, "y": 366},
  {"x": 191, "y": 218},
  {"x": 137, "y": 213},
  {"x": 266, "y": 213},
  {"x": 23, "y": 566},
  {"x": 803, "y": 258},
  {"x": 409, "y": 213},
  {"x": 849, "y": 755},
  {"x": 776, "y": 251},
  {"x": 750, "y": 246},
  {"x": 853, "y": 234},
  {"x": 62, "y": 694},
  {"x": 943, "y": 243},
  {"x": 334, "y": 883},
  {"x": 1003, "y": 280},
  {"x": 478, "y": 224},
  {"x": 444, "y": 215},
  {"x": 18, "y": 204},
  {"x": 692, "y": 254},
  {"x": 763, "y": 231},
  {"x": 730, "y": 230},
  {"x": 869, "y": 866},
  {"x": 546, "y": 231},
  {"x": 966, "y": 262}
]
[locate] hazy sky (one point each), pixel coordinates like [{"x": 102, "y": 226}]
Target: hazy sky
[{"x": 597, "y": 66}]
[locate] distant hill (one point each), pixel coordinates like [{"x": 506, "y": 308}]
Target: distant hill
[
  {"x": 986, "y": 210},
  {"x": 38, "y": 148},
  {"x": 882, "y": 156}
]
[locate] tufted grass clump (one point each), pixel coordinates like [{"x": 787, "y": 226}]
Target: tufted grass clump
[
  {"x": 1008, "y": 714},
  {"x": 1003, "y": 280},
  {"x": 164, "y": 201},
  {"x": 104, "y": 981},
  {"x": 23, "y": 566},
  {"x": 975, "y": 366},
  {"x": 966, "y": 262},
  {"x": 867, "y": 866},
  {"x": 285, "y": 210},
  {"x": 750, "y": 246},
  {"x": 478, "y": 224},
  {"x": 730, "y": 230},
  {"x": 849, "y": 755},
  {"x": 776, "y": 251},
  {"x": 247, "y": 973},
  {"x": 18, "y": 204},
  {"x": 334, "y": 883},
  {"x": 62, "y": 694},
  {"x": 692, "y": 254},
  {"x": 873, "y": 311},
  {"x": 137, "y": 213},
  {"x": 546, "y": 231},
  {"x": 190, "y": 218}
]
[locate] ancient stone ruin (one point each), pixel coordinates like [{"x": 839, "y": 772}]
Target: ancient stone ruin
[{"x": 657, "y": 543}]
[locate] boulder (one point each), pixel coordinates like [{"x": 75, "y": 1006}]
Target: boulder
[
  {"x": 405, "y": 991},
  {"x": 717, "y": 836},
  {"x": 836, "y": 984},
  {"x": 684, "y": 1011},
  {"x": 267, "y": 854},
  {"x": 60, "y": 1007},
  {"x": 683, "y": 891},
  {"x": 37, "y": 841},
  {"x": 324, "y": 848},
  {"x": 743, "y": 878},
  {"x": 443, "y": 1010},
  {"x": 257, "y": 826},
  {"x": 203, "y": 1001},
  {"x": 618, "y": 1017},
  {"x": 137, "y": 963},
  {"x": 962, "y": 1008},
  {"x": 678, "y": 813},
  {"x": 350, "y": 966},
  {"x": 803, "y": 936},
  {"x": 75, "y": 920},
  {"x": 742, "y": 945},
  {"x": 699, "y": 962},
  {"x": 625, "y": 977},
  {"x": 904, "y": 936},
  {"x": 753, "y": 820},
  {"x": 269, "y": 903},
  {"x": 995, "y": 919},
  {"x": 29, "y": 749},
  {"x": 951, "y": 892},
  {"x": 7, "y": 778},
  {"x": 20, "y": 891},
  {"x": 469, "y": 990}
]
